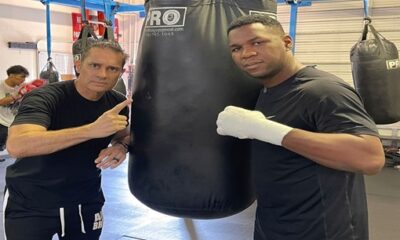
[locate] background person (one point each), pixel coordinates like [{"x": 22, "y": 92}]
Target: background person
[
  {"x": 313, "y": 140},
  {"x": 9, "y": 88}
]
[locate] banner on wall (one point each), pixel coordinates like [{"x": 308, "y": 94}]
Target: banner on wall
[{"x": 96, "y": 21}]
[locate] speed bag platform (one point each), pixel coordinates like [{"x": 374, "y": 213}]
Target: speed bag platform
[
  {"x": 376, "y": 75},
  {"x": 184, "y": 77}
]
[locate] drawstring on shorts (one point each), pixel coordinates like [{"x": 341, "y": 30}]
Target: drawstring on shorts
[
  {"x": 62, "y": 220},
  {"x": 80, "y": 215}
]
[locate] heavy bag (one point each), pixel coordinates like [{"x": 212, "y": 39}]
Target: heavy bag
[
  {"x": 376, "y": 75},
  {"x": 49, "y": 73},
  {"x": 184, "y": 77}
]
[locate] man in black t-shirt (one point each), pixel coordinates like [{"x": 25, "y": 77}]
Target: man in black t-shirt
[
  {"x": 61, "y": 138},
  {"x": 313, "y": 140}
]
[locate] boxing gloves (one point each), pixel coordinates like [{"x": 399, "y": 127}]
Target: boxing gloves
[
  {"x": 26, "y": 88},
  {"x": 30, "y": 86},
  {"x": 38, "y": 82},
  {"x": 243, "y": 123}
]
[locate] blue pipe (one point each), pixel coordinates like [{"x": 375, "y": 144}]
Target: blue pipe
[
  {"x": 109, "y": 12},
  {"x": 293, "y": 24},
  {"x": 294, "y": 5},
  {"x": 48, "y": 30},
  {"x": 98, "y": 5},
  {"x": 83, "y": 10},
  {"x": 366, "y": 8}
]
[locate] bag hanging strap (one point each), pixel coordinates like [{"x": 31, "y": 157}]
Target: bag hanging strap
[
  {"x": 367, "y": 21},
  {"x": 377, "y": 36},
  {"x": 109, "y": 33},
  {"x": 86, "y": 32}
]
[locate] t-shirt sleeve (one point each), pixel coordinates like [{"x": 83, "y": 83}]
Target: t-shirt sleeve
[
  {"x": 339, "y": 109},
  {"x": 35, "y": 108}
]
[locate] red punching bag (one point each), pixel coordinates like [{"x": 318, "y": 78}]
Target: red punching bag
[{"x": 184, "y": 77}]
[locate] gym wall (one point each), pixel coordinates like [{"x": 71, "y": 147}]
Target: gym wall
[
  {"x": 325, "y": 31},
  {"x": 328, "y": 29},
  {"x": 25, "y": 21}
]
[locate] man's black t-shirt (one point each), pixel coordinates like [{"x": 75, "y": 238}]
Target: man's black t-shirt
[
  {"x": 67, "y": 177},
  {"x": 298, "y": 198}
]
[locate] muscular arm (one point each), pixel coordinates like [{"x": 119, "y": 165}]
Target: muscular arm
[
  {"x": 31, "y": 139},
  {"x": 340, "y": 151},
  {"x": 346, "y": 152}
]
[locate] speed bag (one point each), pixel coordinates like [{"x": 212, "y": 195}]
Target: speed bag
[
  {"x": 49, "y": 73},
  {"x": 376, "y": 75},
  {"x": 184, "y": 77}
]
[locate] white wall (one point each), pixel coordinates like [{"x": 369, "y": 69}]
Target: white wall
[
  {"x": 328, "y": 29},
  {"x": 25, "y": 21}
]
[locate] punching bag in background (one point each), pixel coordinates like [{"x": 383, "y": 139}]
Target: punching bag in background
[
  {"x": 376, "y": 75},
  {"x": 184, "y": 77},
  {"x": 49, "y": 73}
]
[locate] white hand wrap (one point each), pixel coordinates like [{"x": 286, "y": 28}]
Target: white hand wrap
[{"x": 243, "y": 123}]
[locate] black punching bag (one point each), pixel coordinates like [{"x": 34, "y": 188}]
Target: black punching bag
[
  {"x": 49, "y": 73},
  {"x": 376, "y": 75},
  {"x": 184, "y": 77}
]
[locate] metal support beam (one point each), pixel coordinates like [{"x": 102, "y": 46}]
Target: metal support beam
[
  {"x": 293, "y": 25},
  {"x": 366, "y": 8},
  {"x": 48, "y": 31},
  {"x": 99, "y": 5},
  {"x": 109, "y": 12},
  {"x": 294, "y": 4}
]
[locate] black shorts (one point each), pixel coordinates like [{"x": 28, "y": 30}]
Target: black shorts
[{"x": 81, "y": 222}]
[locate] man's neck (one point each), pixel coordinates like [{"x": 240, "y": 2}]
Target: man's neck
[{"x": 288, "y": 71}]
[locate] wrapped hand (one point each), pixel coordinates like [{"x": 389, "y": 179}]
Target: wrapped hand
[{"x": 243, "y": 123}]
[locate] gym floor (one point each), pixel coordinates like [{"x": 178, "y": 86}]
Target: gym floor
[{"x": 128, "y": 219}]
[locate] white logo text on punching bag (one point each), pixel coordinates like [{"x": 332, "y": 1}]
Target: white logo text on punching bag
[
  {"x": 269, "y": 14},
  {"x": 393, "y": 64},
  {"x": 165, "y": 21}
]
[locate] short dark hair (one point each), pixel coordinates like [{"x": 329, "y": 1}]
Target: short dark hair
[
  {"x": 105, "y": 44},
  {"x": 256, "y": 18},
  {"x": 17, "y": 69}
]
